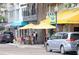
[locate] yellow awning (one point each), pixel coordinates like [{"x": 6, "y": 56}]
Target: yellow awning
[
  {"x": 29, "y": 26},
  {"x": 46, "y": 21},
  {"x": 39, "y": 26},
  {"x": 70, "y": 16},
  {"x": 44, "y": 26}
]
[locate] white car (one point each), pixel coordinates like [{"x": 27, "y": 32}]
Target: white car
[{"x": 63, "y": 42}]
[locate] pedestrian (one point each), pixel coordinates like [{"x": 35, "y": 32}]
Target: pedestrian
[
  {"x": 22, "y": 40},
  {"x": 34, "y": 37},
  {"x": 45, "y": 40}
]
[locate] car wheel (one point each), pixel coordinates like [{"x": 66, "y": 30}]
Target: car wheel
[
  {"x": 48, "y": 48},
  {"x": 62, "y": 50},
  {"x": 77, "y": 50}
]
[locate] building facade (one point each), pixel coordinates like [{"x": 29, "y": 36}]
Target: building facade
[
  {"x": 40, "y": 12},
  {"x": 29, "y": 12},
  {"x": 71, "y": 27},
  {"x": 3, "y": 20},
  {"x": 13, "y": 11},
  {"x": 34, "y": 13},
  {"x": 66, "y": 27}
]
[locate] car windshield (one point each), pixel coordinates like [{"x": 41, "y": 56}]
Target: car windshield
[
  {"x": 7, "y": 32},
  {"x": 75, "y": 36}
]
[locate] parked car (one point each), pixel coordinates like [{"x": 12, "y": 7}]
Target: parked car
[
  {"x": 63, "y": 42},
  {"x": 6, "y": 37}
]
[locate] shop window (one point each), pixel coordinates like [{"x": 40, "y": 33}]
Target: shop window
[
  {"x": 11, "y": 14},
  {"x": 70, "y": 5},
  {"x": 76, "y": 29},
  {"x": 28, "y": 5},
  {"x": 2, "y": 28},
  {"x": 64, "y": 36},
  {"x": 23, "y": 5},
  {"x": 33, "y": 11},
  {"x": 25, "y": 12},
  {"x": 25, "y": 32}
]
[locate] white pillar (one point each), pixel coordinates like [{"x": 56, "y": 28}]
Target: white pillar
[{"x": 20, "y": 13}]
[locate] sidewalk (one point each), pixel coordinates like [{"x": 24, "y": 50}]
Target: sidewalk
[{"x": 26, "y": 45}]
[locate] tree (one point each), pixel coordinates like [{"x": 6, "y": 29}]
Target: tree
[
  {"x": 69, "y": 5},
  {"x": 2, "y": 19}
]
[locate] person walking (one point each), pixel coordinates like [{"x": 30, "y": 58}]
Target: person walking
[
  {"x": 34, "y": 37},
  {"x": 22, "y": 40}
]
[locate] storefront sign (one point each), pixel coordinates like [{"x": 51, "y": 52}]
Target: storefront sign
[{"x": 52, "y": 16}]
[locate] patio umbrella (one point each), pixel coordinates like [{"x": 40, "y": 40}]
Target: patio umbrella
[
  {"x": 29, "y": 26},
  {"x": 46, "y": 21},
  {"x": 44, "y": 26}
]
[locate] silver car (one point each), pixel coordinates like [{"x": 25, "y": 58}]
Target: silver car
[{"x": 63, "y": 42}]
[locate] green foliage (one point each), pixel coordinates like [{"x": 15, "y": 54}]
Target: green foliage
[
  {"x": 2, "y": 18},
  {"x": 69, "y": 5}
]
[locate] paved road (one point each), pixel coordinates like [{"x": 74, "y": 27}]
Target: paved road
[{"x": 15, "y": 49}]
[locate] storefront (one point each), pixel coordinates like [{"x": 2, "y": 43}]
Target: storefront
[
  {"x": 14, "y": 28},
  {"x": 41, "y": 29},
  {"x": 68, "y": 20}
]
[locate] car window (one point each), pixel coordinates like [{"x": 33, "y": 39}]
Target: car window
[
  {"x": 64, "y": 36},
  {"x": 75, "y": 36},
  {"x": 56, "y": 36},
  {"x": 61, "y": 35},
  {"x": 8, "y": 33},
  {"x": 53, "y": 37}
]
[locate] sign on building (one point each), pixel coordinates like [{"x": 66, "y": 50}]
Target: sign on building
[{"x": 52, "y": 16}]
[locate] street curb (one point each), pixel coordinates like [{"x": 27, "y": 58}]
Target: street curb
[{"x": 24, "y": 46}]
